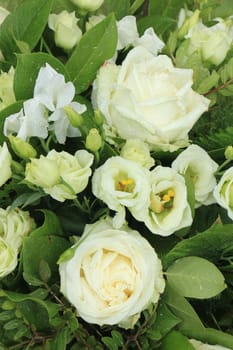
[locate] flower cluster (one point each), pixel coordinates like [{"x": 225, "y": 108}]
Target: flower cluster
[{"x": 116, "y": 201}]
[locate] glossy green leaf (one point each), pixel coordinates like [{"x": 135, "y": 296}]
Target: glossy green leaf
[
  {"x": 25, "y": 24},
  {"x": 195, "y": 277},
  {"x": 176, "y": 340},
  {"x": 119, "y": 7},
  {"x": 51, "y": 225},
  {"x": 96, "y": 46}
]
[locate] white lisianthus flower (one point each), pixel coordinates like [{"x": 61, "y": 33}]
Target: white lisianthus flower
[
  {"x": 88, "y": 5},
  {"x": 122, "y": 183},
  {"x": 5, "y": 164},
  {"x": 223, "y": 192},
  {"x": 54, "y": 93},
  {"x": 30, "y": 121},
  {"x": 60, "y": 174},
  {"x": 213, "y": 42},
  {"x": 138, "y": 151},
  {"x": 113, "y": 275},
  {"x": 8, "y": 258},
  {"x": 169, "y": 209},
  {"x": 127, "y": 31},
  {"x": 202, "y": 346},
  {"x": 66, "y": 31},
  {"x": 7, "y": 96},
  {"x": 196, "y": 161},
  {"x": 149, "y": 99},
  {"x": 150, "y": 41}
]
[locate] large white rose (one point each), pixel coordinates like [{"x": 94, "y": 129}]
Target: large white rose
[
  {"x": 196, "y": 161},
  {"x": 202, "y": 346},
  {"x": 169, "y": 209},
  {"x": 113, "y": 275},
  {"x": 149, "y": 99},
  {"x": 223, "y": 192},
  {"x": 8, "y": 258},
  {"x": 122, "y": 183}
]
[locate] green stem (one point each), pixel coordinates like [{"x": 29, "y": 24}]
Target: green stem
[
  {"x": 135, "y": 6},
  {"x": 222, "y": 166}
]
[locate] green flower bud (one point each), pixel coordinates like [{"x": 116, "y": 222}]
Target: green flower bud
[
  {"x": 99, "y": 118},
  {"x": 229, "y": 153},
  {"x": 8, "y": 305},
  {"x": 93, "y": 140},
  {"x": 16, "y": 167},
  {"x": 188, "y": 23},
  {"x": 22, "y": 148},
  {"x": 75, "y": 119}
]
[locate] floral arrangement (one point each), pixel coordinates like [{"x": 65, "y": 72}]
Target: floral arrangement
[{"x": 116, "y": 174}]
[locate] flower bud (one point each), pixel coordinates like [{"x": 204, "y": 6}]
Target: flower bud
[
  {"x": 5, "y": 164},
  {"x": 75, "y": 119},
  {"x": 99, "y": 118},
  {"x": 137, "y": 150},
  {"x": 22, "y": 148},
  {"x": 189, "y": 22},
  {"x": 89, "y": 5},
  {"x": 93, "y": 140},
  {"x": 229, "y": 153},
  {"x": 64, "y": 25}
]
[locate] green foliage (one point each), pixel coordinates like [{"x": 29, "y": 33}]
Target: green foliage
[
  {"x": 24, "y": 25},
  {"x": 119, "y": 7},
  {"x": 97, "y": 45}
]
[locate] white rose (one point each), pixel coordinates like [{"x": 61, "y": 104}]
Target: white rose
[
  {"x": 202, "y": 346},
  {"x": 169, "y": 209},
  {"x": 149, "y": 99},
  {"x": 67, "y": 32},
  {"x": 8, "y": 258},
  {"x": 122, "y": 183},
  {"x": 89, "y": 5},
  {"x": 223, "y": 192},
  {"x": 113, "y": 275},
  {"x": 14, "y": 225},
  {"x": 5, "y": 164},
  {"x": 196, "y": 161},
  {"x": 213, "y": 42},
  {"x": 137, "y": 151}
]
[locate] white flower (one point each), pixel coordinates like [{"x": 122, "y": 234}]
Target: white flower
[
  {"x": 122, "y": 183},
  {"x": 60, "y": 174},
  {"x": 3, "y": 14},
  {"x": 150, "y": 41},
  {"x": 30, "y": 121},
  {"x": 149, "y": 99},
  {"x": 5, "y": 164},
  {"x": 223, "y": 192},
  {"x": 196, "y": 161},
  {"x": 67, "y": 32},
  {"x": 113, "y": 275},
  {"x": 7, "y": 95},
  {"x": 138, "y": 151},
  {"x": 89, "y": 5},
  {"x": 202, "y": 346},
  {"x": 127, "y": 31},
  {"x": 54, "y": 93},
  {"x": 213, "y": 42},
  {"x": 8, "y": 258},
  {"x": 169, "y": 209}
]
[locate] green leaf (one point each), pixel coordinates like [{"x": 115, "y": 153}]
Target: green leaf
[
  {"x": 176, "y": 340},
  {"x": 209, "y": 244},
  {"x": 25, "y": 24},
  {"x": 226, "y": 72},
  {"x": 165, "y": 320},
  {"x": 166, "y": 8},
  {"x": 160, "y": 24},
  {"x": 191, "y": 324},
  {"x": 44, "y": 271},
  {"x": 224, "y": 9},
  {"x": 42, "y": 248},
  {"x": 27, "y": 198},
  {"x": 195, "y": 277},
  {"x": 208, "y": 83},
  {"x": 51, "y": 225},
  {"x": 27, "y": 69},
  {"x": 119, "y": 7},
  {"x": 61, "y": 5},
  {"x": 96, "y": 46}
]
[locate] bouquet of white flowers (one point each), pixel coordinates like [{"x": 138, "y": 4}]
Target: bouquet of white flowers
[{"x": 116, "y": 174}]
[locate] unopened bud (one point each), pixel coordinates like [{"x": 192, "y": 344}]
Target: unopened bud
[
  {"x": 16, "y": 167},
  {"x": 93, "y": 140},
  {"x": 188, "y": 24},
  {"x": 229, "y": 153},
  {"x": 99, "y": 118},
  {"x": 22, "y": 148},
  {"x": 76, "y": 120}
]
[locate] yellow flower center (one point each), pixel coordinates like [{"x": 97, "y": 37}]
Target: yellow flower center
[
  {"x": 161, "y": 201},
  {"x": 125, "y": 185}
]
